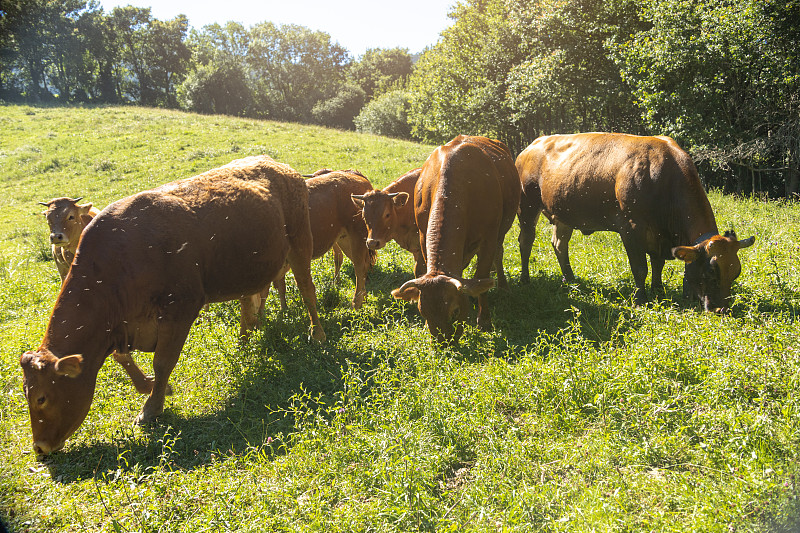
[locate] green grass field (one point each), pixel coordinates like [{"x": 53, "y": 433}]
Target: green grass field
[{"x": 580, "y": 412}]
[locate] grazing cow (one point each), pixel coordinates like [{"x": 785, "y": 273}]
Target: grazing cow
[
  {"x": 644, "y": 188},
  {"x": 465, "y": 201},
  {"x": 66, "y": 219},
  {"x": 144, "y": 268},
  {"x": 389, "y": 214},
  {"x": 335, "y": 223}
]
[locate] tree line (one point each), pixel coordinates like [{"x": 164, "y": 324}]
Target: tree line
[{"x": 720, "y": 76}]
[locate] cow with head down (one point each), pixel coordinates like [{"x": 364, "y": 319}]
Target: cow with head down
[
  {"x": 389, "y": 215},
  {"x": 66, "y": 218},
  {"x": 144, "y": 268},
  {"x": 646, "y": 189},
  {"x": 465, "y": 201}
]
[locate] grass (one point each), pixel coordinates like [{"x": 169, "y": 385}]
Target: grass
[{"x": 580, "y": 412}]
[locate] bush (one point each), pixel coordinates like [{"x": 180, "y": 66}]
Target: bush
[
  {"x": 339, "y": 111},
  {"x": 386, "y": 115},
  {"x": 216, "y": 88}
]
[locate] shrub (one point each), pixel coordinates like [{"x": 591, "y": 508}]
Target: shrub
[
  {"x": 386, "y": 115},
  {"x": 339, "y": 111},
  {"x": 216, "y": 88}
]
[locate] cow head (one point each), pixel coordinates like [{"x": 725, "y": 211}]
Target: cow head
[
  {"x": 380, "y": 215},
  {"x": 711, "y": 267},
  {"x": 59, "y": 396},
  {"x": 66, "y": 219},
  {"x": 442, "y": 301}
]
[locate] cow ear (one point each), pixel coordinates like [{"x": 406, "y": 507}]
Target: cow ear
[
  {"x": 401, "y": 199},
  {"x": 687, "y": 254},
  {"x": 408, "y": 292},
  {"x": 85, "y": 207},
  {"x": 746, "y": 243},
  {"x": 85, "y": 219},
  {"x": 475, "y": 287},
  {"x": 358, "y": 200},
  {"x": 70, "y": 366}
]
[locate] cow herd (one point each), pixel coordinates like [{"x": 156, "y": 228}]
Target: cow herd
[{"x": 136, "y": 274}]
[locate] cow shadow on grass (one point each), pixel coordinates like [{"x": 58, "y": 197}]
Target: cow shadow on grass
[{"x": 279, "y": 378}]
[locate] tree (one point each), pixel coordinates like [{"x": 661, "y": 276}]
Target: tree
[
  {"x": 723, "y": 79},
  {"x": 292, "y": 69},
  {"x": 378, "y": 69}
]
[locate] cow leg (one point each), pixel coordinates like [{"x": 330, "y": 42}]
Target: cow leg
[
  {"x": 528, "y": 218},
  {"x": 355, "y": 249},
  {"x": 300, "y": 263},
  {"x": 280, "y": 286},
  {"x": 483, "y": 267},
  {"x": 656, "y": 283},
  {"x": 419, "y": 264},
  {"x": 561, "y": 237},
  {"x": 638, "y": 261},
  {"x": 337, "y": 261},
  {"x": 248, "y": 318},
  {"x": 142, "y": 383},
  {"x": 502, "y": 282},
  {"x": 171, "y": 337}
]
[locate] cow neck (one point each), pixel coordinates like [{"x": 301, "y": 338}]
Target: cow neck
[
  {"x": 444, "y": 239},
  {"x": 78, "y": 325},
  {"x": 700, "y": 225}
]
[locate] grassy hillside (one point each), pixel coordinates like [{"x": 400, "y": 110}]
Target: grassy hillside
[{"x": 580, "y": 412}]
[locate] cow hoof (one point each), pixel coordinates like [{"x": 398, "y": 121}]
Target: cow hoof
[
  {"x": 318, "y": 334},
  {"x": 144, "y": 419}
]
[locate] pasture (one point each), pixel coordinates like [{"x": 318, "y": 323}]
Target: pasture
[{"x": 580, "y": 412}]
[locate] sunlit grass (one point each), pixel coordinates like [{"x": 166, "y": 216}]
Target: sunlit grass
[{"x": 580, "y": 412}]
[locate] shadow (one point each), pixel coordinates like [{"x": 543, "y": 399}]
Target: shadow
[{"x": 279, "y": 377}]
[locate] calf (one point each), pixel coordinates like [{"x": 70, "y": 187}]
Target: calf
[
  {"x": 66, "y": 219},
  {"x": 389, "y": 214},
  {"x": 465, "y": 201},
  {"x": 336, "y": 223}
]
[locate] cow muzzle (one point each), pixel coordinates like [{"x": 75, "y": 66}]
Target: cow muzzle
[
  {"x": 58, "y": 239},
  {"x": 375, "y": 244},
  {"x": 44, "y": 448}
]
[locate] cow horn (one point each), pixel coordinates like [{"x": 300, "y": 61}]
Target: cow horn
[
  {"x": 357, "y": 196},
  {"x": 456, "y": 283},
  {"x": 44, "y": 204},
  {"x": 392, "y": 194},
  {"x": 78, "y": 199},
  {"x": 408, "y": 284},
  {"x": 744, "y": 243},
  {"x": 308, "y": 175}
]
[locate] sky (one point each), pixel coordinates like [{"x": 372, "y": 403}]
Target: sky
[{"x": 355, "y": 24}]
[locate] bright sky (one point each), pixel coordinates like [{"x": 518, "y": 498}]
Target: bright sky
[{"x": 354, "y": 24}]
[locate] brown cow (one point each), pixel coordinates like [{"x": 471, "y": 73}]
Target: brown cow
[
  {"x": 389, "y": 214},
  {"x": 644, "y": 188},
  {"x": 144, "y": 268},
  {"x": 66, "y": 219},
  {"x": 335, "y": 223},
  {"x": 465, "y": 201}
]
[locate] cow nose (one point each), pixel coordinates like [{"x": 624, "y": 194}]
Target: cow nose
[
  {"x": 43, "y": 448},
  {"x": 373, "y": 244},
  {"x": 56, "y": 238}
]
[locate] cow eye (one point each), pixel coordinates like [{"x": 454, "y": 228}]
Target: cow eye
[
  {"x": 40, "y": 400},
  {"x": 71, "y": 217},
  {"x": 386, "y": 215}
]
